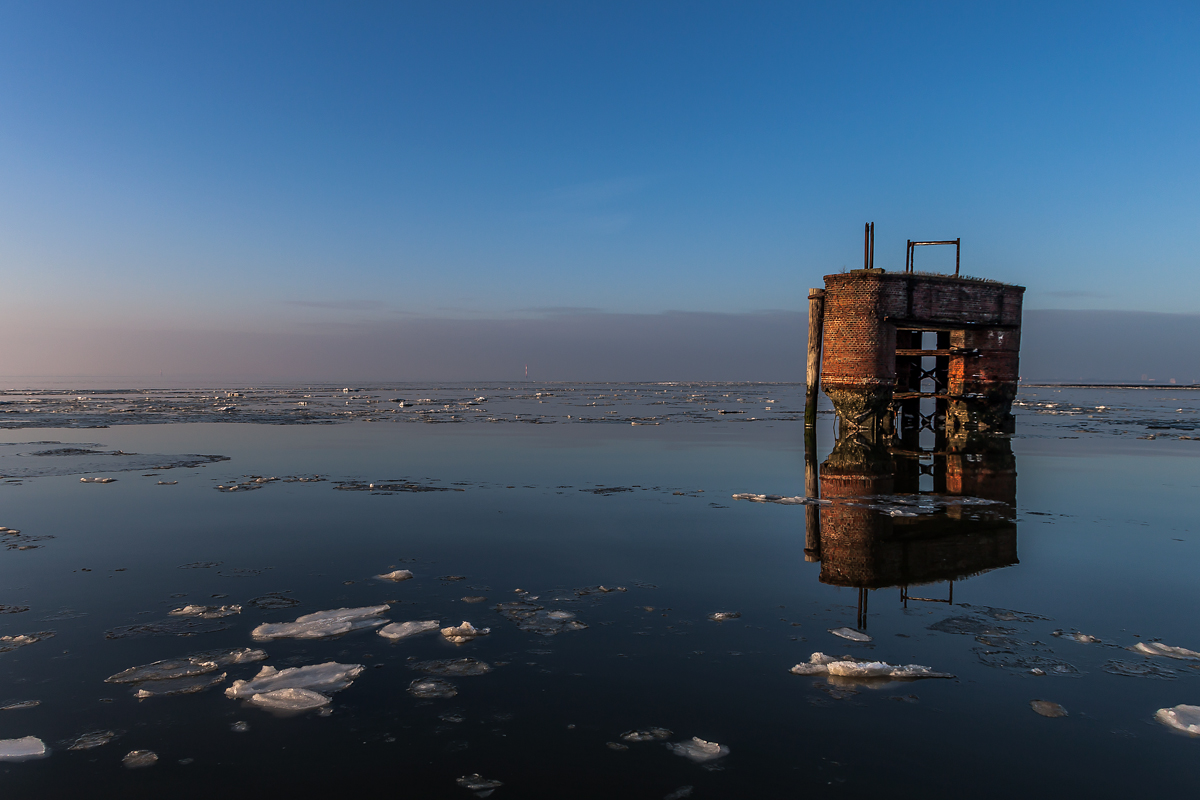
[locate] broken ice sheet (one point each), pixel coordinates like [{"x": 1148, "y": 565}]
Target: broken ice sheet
[
  {"x": 187, "y": 666},
  {"x": 22, "y": 639},
  {"x": 1159, "y": 649},
  {"x": 1076, "y": 636},
  {"x": 136, "y": 759},
  {"x": 93, "y": 739},
  {"x": 453, "y": 666},
  {"x": 274, "y": 600},
  {"x": 432, "y": 688},
  {"x": 534, "y": 619},
  {"x": 847, "y": 667},
  {"x": 477, "y": 783},
  {"x": 1130, "y": 669},
  {"x": 20, "y": 704},
  {"x": 178, "y": 626},
  {"x": 395, "y": 576},
  {"x": 328, "y": 677},
  {"x": 463, "y": 633},
  {"x": 851, "y": 634},
  {"x": 1047, "y": 709},
  {"x": 206, "y": 612},
  {"x": 647, "y": 735},
  {"x": 187, "y": 685},
  {"x": 290, "y": 700},
  {"x": 1182, "y": 718},
  {"x": 322, "y": 624},
  {"x": 698, "y": 750},
  {"x": 721, "y": 616},
  {"x": 22, "y": 749},
  {"x": 402, "y": 630}
]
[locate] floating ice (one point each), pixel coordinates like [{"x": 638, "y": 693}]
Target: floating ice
[
  {"x": 475, "y": 598},
  {"x": 465, "y": 632},
  {"x": 292, "y": 699},
  {"x": 93, "y": 739},
  {"x": 188, "y": 666},
  {"x": 680, "y": 793},
  {"x": 177, "y": 626},
  {"x": 1082, "y": 638},
  {"x": 775, "y": 498},
  {"x": 647, "y": 735},
  {"x": 721, "y": 616},
  {"x": 135, "y": 759},
  {"x": 322, "y": 624},
  {"x": 1047, "y": 708},
  {"x": 846, "y": 667},
  {"x": 22, "y": 749},
  {"x": 453, "y": 666},
  {"x": 531, "y": 617},
  {"x": 1159, "y": 649},
  {"x": 396, "y": 576},
  {"x": 431, "y": 688},
  {"x": 1181, "y": 718},
  {"x": 477, "y": 783},
  {"x": 328, "y": 677},
  {"x": 1130, "y": 669},
  {"x": 206, "y": 612},
  {"x": 403, "y": 630},
  {"x": 851, "y": 634},
  {"x": 698, "y": 750},
  {"x": 616, "y": 746},
  {"x": 188, "y": 685},
  {"x": 20, "y": 640},
  {"x": 21, "y": 704},
  {"x": 97, "y": 480},
  {"x": 274, "y": 600}
]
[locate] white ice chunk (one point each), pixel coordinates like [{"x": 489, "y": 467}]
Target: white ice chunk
[
  {"x": 136, "y": 759},
  {"x": 1159, "y": 649},
  {"x": 402, "y": 630},
  {"x": 845, "y": 667},
  {"x": 464, "y": 633},
  {"x": 851, "y": 634},
  {"x": 698, "y": 750},
  {"x": 818, "y": 664},
  {"x": 322, "y": 624},
  {"x": 1181, "y": 718},
  {"x": 328, "y": 677},
  {"x": 293, "y": 699},
  {"x": 22, "y": 749},
  {"x": 396, "y": 576},
  {"x": 206, "y": 612}
]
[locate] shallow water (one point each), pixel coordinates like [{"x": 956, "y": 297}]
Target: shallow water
[{"x": 1094, "y": 539}]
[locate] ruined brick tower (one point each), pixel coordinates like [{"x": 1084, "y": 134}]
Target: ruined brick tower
[{"x": 874, "y": 366}]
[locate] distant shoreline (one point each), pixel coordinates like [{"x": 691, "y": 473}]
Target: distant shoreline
[{"x": 1164, "y": 386}]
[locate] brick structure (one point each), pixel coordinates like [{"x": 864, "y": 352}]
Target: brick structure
[{"x": 873, "y": 361}]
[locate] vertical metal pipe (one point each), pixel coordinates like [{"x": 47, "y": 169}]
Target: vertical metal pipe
[
  {"x": 872, "y": 245},
  {"x": 867, "y": 246},
  {"x": 816, "y": 326}
]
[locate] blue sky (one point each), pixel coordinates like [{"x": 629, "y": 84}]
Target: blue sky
[{"x": 275, "y": 166}]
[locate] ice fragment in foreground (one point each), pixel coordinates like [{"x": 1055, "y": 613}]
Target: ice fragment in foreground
[
  {"x": 464, "y": 633},
  {"x": 1047, "y": 708},
  {"x": 21, "y": 639},
  {"x": 396, "y": 576},
  {"x": 476, "y": 782},
  {"x": 292, "y": 699},
  {"x": 1181, "y": 718},
  {"x": 1160, "y": 649},
  {"x": 432, "y": 688},
  {"x": 698, "y": 750},
  {"x": 845, "y": 667},
  {"x": 22, "y": 749},
  {"x": 93, "y": 739},
  {"x": 328, "y": 677},
  {"x": 197, "y": 664},
  {"x": 322, "y": 624},
  {"x": 647, "y": 735},
  {"x": 851, "y": 634},
  {"x": 206, "y": 612},
  {"x": 135, "y": 759},
  {"x": 454, "y": 666},
  {"x": 402, "y": 630}
]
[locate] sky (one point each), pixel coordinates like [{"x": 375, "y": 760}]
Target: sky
[{"x": 609, "y": 189}]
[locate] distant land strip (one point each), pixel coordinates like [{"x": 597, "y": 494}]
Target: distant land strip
[{"x": 1111, "y": 385}]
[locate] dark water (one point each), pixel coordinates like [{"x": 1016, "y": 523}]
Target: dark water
[{"x": 1091, "y": 532}]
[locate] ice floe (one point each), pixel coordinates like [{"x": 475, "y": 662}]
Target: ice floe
[
  {"x": 477, "y": 783},
  {"x": 647, "y": 735},
  {"x": 22, "y": 639},
  {"x": 206, "y": 612},
  {"x": 395, "y": 576},
  {"x": 1181, "y": 718},
  {"x": 431, "y": 688},
  {"x": 1076, "y": 636},
  {"x": 466, "y": 632},
  {"x": 188, "y": 666},
  {"x": 721, "y": 616},
  {"x": 136, "y": 759},
  {"x": 453, "y": 666},
  {"x": 698, "y": 750},
  {"x": 1047, "y": 708},
  {"x": 322, "y": 624},
  {"x": 1159, "y": 649},
  {"x": 535, "y": 619},
  {"x": 93, "y": 739},
  {"x": 20, "y": 704},
  {"x": 402, "y": 630},
  {"x": 97, "y": 480},
  {"x": 328, "y": 677},
  {"x": 188, "y": 685},
  {"x": 851, "y": 634},
  {"x": 847, "y": 667},
  {"x": 1132, "y": 669},
  {"x": 22, "y": 749},
  {"x": 292, "y": 699}
]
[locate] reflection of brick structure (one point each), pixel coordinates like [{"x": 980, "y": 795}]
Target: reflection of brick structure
[
  {"x": 865, "y": 548},
  {"x": 870, "y": 313}
]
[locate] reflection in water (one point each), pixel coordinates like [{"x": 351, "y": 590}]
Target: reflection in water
[{"x": 903, "y": 517}]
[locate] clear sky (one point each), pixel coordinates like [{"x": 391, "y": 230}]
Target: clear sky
[{"x": 256, "y": 167}]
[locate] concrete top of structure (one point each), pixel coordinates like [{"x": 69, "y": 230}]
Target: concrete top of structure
[{"x": 859, "y": 274}]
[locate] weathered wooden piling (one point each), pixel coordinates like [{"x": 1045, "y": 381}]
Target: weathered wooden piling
[{"x": 816, "y": 324}]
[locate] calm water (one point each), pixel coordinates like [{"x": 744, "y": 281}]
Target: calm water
[{"x": 1090, "y": 530}]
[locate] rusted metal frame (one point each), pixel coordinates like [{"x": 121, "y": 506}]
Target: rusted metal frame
[{"x": 909, "y": 260}]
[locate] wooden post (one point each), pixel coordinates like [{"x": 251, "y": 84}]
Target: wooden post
[
  {"x": 816, "y": 322},
  {"x": 812, "y": 489}
]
